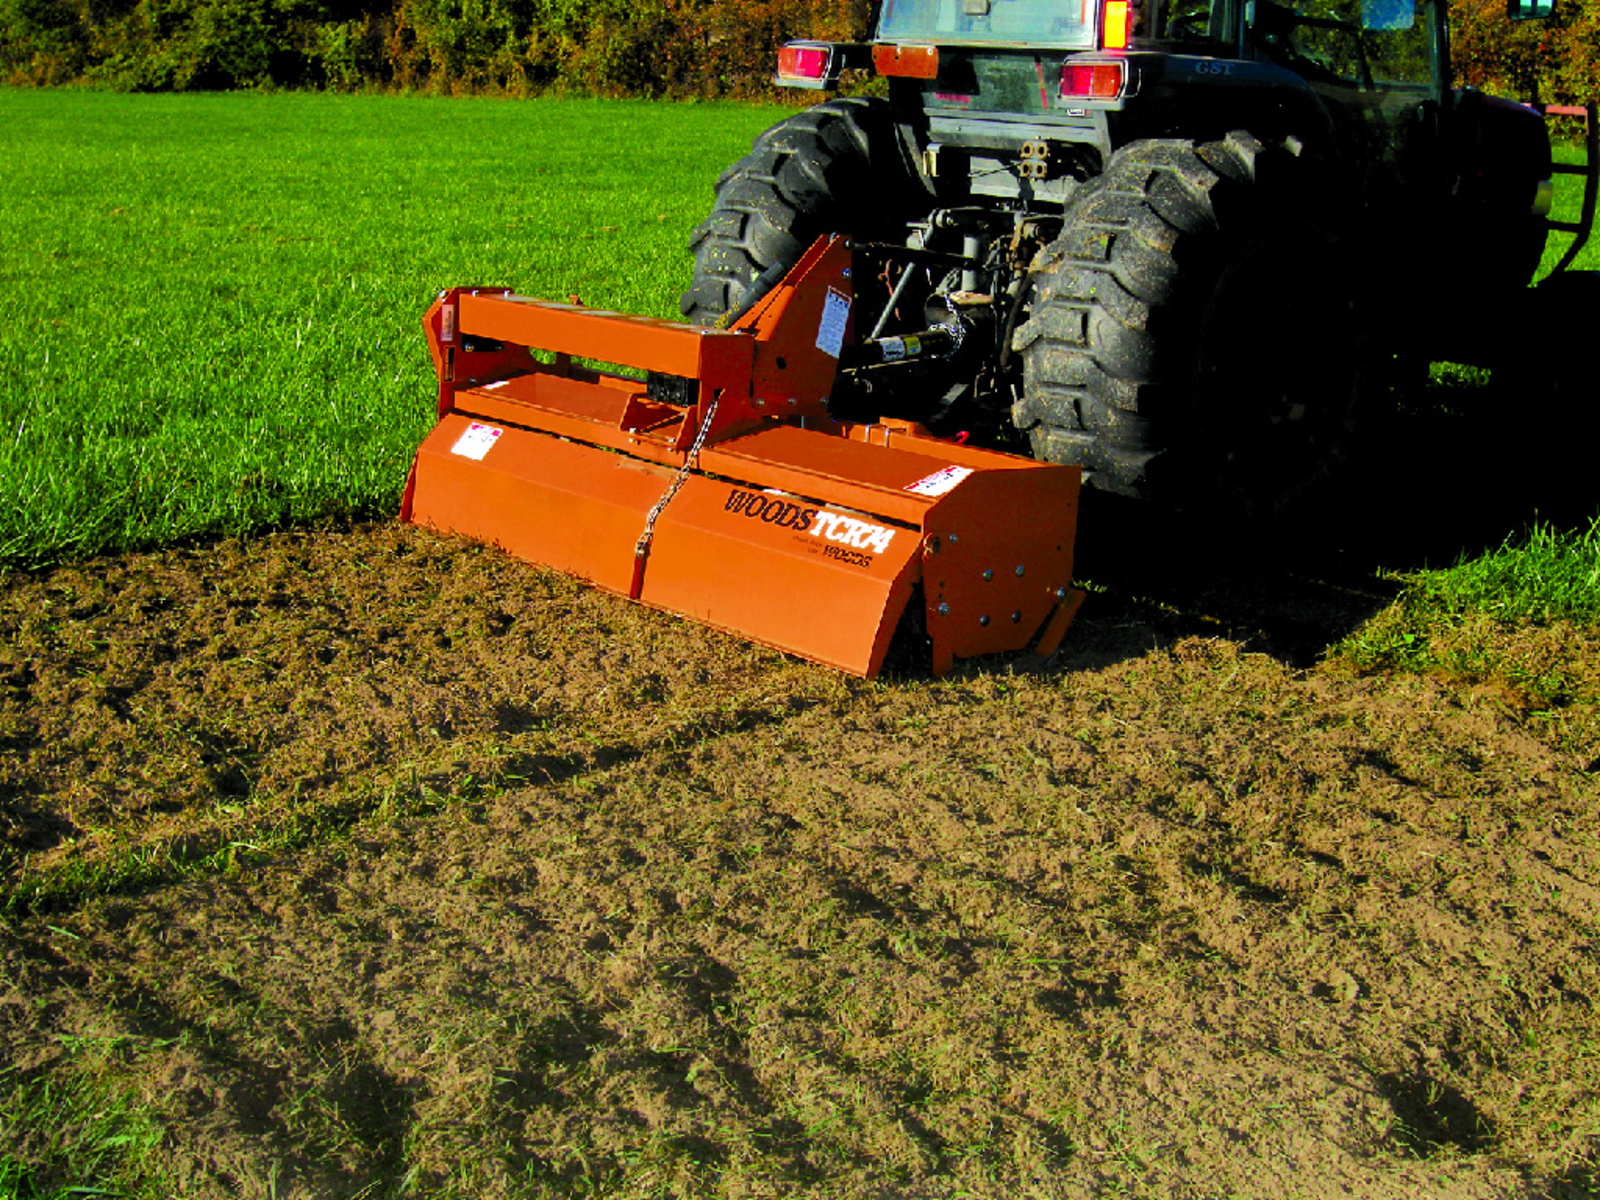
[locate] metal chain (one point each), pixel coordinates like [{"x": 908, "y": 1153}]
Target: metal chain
[{"x": 642, "y": 546}]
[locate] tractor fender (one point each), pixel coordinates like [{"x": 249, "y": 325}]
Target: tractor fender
[
  {"x": 1498, "y": 151},
  {"x": 1204, "y": 98}
]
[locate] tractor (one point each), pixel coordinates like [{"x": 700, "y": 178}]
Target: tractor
[
  {"x": 1186, "y": 245},
  {"x": 1169, "y": 248}
]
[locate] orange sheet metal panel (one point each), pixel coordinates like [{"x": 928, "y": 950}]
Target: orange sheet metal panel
[
  {"x": 560, "y": 406},
  {"x": 998, "y": 558},
  {"x": 805, "y": 577},
  {"x": 543, "y": 499},
  {"x": 869, "y": 478},
  {"x": 821, "y": 570},
  {"x": 556, "y": 394},
  {"x": 800, "y": 329}
]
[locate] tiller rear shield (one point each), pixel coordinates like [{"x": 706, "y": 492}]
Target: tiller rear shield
[{"x": 710, "y": 482}]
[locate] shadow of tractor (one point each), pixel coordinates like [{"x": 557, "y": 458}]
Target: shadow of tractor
[{"x": 1452, "y": 474}]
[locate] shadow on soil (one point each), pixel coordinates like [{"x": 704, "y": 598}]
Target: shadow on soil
[
  {"x": 1427, "y": 490},
  {"x": 1575, "y": 1183},
  {"x": 331, "y": 1137},
  {"x": 1432, "y": 1116}
]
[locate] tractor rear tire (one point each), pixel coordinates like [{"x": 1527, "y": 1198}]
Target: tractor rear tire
[
  {"x": 840, "y": 167},
  {"x": 1194, "y": 337}
]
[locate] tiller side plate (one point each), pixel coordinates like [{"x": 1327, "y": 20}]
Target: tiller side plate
[{"x": 717, "y": 487}]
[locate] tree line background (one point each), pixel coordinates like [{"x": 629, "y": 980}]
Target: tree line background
[
  {"x": 609, "y": 47},
  {"x": 516, "y": 47}
]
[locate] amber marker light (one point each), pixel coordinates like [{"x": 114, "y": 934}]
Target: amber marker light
[
  {"x": 1115, "y": 19},
  {"x": 907, "y": 62}
]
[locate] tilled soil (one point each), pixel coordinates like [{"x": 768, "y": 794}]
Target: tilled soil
[{"x": 370, "y": 863}]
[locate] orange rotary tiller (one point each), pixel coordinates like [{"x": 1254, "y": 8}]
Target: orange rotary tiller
[{"x": 706, "y": 477}]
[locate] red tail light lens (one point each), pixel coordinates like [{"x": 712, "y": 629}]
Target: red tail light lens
[
  {"x": 1092, "y": 81},
  {"x": 803, "y": 64},
  {"x": 1116, "y": 16}
]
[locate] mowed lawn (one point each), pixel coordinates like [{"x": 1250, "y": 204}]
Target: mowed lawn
[{"x": 214, "y": 301}]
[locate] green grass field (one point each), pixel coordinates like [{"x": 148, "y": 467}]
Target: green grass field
[{"x": 215, "y": 300}]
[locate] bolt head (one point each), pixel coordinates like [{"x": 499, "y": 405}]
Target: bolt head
[
  {"x": 1021, "y": 571},
  {"x": 984, "y": 620},
  {"x": 988, "y": 575},
  {"x": 944, "y": 610},
  {"x": 1016, "y": 617}
]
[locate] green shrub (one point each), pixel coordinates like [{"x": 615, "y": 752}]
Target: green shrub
[
  {"x": 345, "y": 55},
  {"x": 1553, "y": 62},
  {"x": 608, "y": 47},
  {"x": 41, "y": 42},
  {"x": 196, "y": 44},
  {"x": 462, "y": 44}
]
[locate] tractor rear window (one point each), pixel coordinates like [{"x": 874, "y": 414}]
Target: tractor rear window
[
  {"x": 1035, "y": 22},
  {"x": 1365, "y": 42}
]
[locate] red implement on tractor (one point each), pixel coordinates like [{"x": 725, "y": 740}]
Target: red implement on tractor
[{"x": 709, "y": 480}]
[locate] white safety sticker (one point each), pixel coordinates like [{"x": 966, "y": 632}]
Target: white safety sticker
[
  {"x": 477, "y": 441},
  {"x": 447, "y": 324},
  {"x": 835, "y": 316},
  {"x": 940, "y": 482}
]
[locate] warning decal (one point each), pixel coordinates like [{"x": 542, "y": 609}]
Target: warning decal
[
  {"x": 940, "y": 482},
  {"x": 477, "y": 441},
  {"x": 835, "y": 315}
]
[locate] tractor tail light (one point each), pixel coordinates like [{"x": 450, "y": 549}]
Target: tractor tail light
[
  {"x": 1092, "y": 81},
  {"x": 804, "y": 64}
]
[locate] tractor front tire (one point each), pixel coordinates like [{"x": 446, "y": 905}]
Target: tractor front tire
[
  {"x": 840, "y": 167},
  {"x": 1194, "y": 337}
]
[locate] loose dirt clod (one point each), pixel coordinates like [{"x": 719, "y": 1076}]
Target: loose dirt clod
[{"x": 365, "y": 859}]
